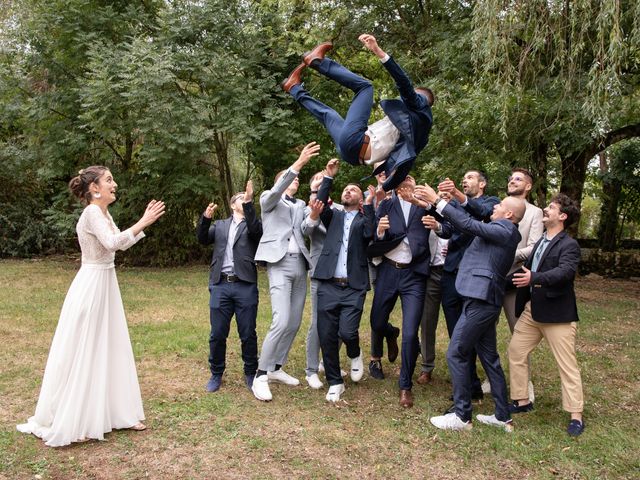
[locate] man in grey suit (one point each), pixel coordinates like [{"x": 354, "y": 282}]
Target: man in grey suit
[
  {"x": 481, "y": 281},
  {"x": 232, "y": 282},
  {"x": 343, "y": 276},
  {"x": 283, "y": 249}
]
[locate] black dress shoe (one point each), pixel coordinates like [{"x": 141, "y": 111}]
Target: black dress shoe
[
  {"x": 392, "y": 344},
  {"x": 515, "y": 408},
  {"x": 375, "y": 370}
]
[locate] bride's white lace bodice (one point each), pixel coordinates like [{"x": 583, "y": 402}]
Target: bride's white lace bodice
[{"x": 99, "y": 237}]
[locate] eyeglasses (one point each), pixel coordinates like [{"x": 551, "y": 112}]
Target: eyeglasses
[{"x": 517, "y": 178}]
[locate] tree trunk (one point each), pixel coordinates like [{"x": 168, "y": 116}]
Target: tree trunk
[
  {"x": 221, "y": 143},
  {"x": 540, "y": 173},
  {"x": 611, "y": 192}
]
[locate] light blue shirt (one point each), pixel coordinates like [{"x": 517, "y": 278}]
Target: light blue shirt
[
  {"x": 540, "y": 251},
  {"x": 341, "y": 266}
]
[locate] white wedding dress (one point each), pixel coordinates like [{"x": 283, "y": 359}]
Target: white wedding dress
[{"x": 90, "y": 385}]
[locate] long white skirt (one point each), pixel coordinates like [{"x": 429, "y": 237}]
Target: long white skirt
[{"x": 90, "y": 385}]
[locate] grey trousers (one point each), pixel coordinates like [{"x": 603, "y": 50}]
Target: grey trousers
[
  {"x": 313, "y": 340},
  {"x": 429, "y": 322},
  {"x": 288, "y": 290}
]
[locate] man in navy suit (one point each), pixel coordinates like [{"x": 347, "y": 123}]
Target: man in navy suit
[
  {"x": 343, "y": 275},
  {"x": 396, "y": 140},
  {"x": 473, "y": 201},
  {"x": 232, "y": 282},
  {"x": 546, "y": 308},
  {"x": 403, "y": 273},
  {"x": 481, "y": 281}
]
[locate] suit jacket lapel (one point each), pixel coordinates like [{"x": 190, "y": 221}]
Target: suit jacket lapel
[
  {"x": 398, "y": 208},
  {"x": 553, "y": 241},
  {"x": 239, "y": 230}
]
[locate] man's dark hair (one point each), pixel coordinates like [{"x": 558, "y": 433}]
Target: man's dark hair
[
  {"x": 482, "y": 176},
  {"x": 523, "y": 171},
  {"x": 567, "y": 206},
  {"x": 427, "y": 92}
]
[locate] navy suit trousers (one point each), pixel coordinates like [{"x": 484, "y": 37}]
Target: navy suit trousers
[
  {"x": 239, "y": 298},
  {"x": 410, "y": 287},
  {"x": 476, "y": 331},
  {"x": 452, "y": 303}
]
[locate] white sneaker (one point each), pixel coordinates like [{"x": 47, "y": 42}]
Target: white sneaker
[
  {"x": 492, "y": 420},
  {"x": 281, "y": 376},
  {"x": 314, "y": 381},
  {"x": 260, "y": 388},
  {"x": 333, "y": 395},
  {"x": 357, "y": 368},
  {"x": 450, "y": 421},
  {"x": 486, "y": 387},
  {"x": 532, "y": 395}
]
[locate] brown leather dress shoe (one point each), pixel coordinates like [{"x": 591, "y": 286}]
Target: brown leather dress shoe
[
  {"x": 406, "y": 398},
  {"x": 424, "y": 378},
  {"x": 318, "y": 53},
  {"x": 294, "y": 78}
]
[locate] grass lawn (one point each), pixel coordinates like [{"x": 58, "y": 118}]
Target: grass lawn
[{"x": 229, "y": 434}]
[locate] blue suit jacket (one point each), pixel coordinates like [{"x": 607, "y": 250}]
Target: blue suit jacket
[
  {"x": 551, "y": 290},
  {"x": 411, "y": 115},
  {"x": 484, "y": 267},
  {"x": 360, "y": 234},
  {"x": 244, "y": 246},
  {"x": 479, "y": 208},
  {"x": 416, "y": 232}
]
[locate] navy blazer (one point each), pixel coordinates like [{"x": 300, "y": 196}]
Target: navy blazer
[
  {"x": 479, "y": 208},
  {"x": 484, "y": 267},
  {"x": 360, "y": 235},
  {"x": 551, "y": 290},
  {"x": 245, "y": 244},
  {"x": 416, "y": 232},
  {"x": 411, "y": 115}
]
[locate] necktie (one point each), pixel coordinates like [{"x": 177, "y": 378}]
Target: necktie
[{"x": 538, "y": 255}]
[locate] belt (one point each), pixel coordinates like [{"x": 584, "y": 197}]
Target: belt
[
  {"x": 397, "y": 265},
  {"x": 229, "y": 278},
  {"x": 343, "y": 281},
  {"x": 363, "y": 149}
]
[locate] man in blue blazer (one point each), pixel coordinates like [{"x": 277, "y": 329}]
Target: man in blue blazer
[
  {"x": 546, "y": 308},
  {"x": 472, "y": 200},
  {"x": 396, "y": 140},
  {"x": 481, "y": 281},
  {"x": 343, "y": 275},
  {"x": 232, "y": 282}
]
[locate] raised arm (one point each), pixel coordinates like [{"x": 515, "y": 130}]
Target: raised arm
[{"x": 205, "y": 232}]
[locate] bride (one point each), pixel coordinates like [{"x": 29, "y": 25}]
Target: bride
[{"x": 90, "y": 385}]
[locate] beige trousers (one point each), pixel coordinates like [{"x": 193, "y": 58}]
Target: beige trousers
[{"x": 561, "y": 338}]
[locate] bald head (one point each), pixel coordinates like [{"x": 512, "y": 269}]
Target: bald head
[{"x": 510, "y": 208}]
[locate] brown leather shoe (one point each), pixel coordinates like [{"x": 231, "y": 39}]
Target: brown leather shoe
[
  {"x": 424, "y": 378},
  {"x": 294, "y": 78},
  {"x": 318, "y": 53},
  {"x": 406, "y": 398}
]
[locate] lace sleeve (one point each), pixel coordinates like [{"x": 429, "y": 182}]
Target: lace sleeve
[{"x": 107, "y": 233}]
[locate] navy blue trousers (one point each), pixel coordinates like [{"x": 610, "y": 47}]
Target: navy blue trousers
[
  {"x": 339, "y": 313},
  {"x": 476, "y": 332},
  {"x": 452, "y": 303},
  {"x": 239, "y": 298},
  {"x": 348, "y": 132},
  {"x": 410, "y": 287}
]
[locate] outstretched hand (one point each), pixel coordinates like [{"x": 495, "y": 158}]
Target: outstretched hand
[
  {"x": 371, "y": 44},
  {"x": 154, "y": 210},
  {"x": 316, "y": 207},
  {"x": 426, "y": 194},
  {"x": 248, "y": 192},
  {"x": 372, "y": 194},
  {"x": 310, "y": 150},
  {"x": 210, "y": 210},
  {"x": 331, "y": 170}
]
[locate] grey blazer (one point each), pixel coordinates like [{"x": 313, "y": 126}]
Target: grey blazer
[{"x": 280, "y": 220}]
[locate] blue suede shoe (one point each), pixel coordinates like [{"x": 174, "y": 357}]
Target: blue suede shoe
[
  {"x": 213, "y": 385},
  {"x": 575, "y": 428}
]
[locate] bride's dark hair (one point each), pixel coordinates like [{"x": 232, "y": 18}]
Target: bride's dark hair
[{"x": 79, "y": 185}]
